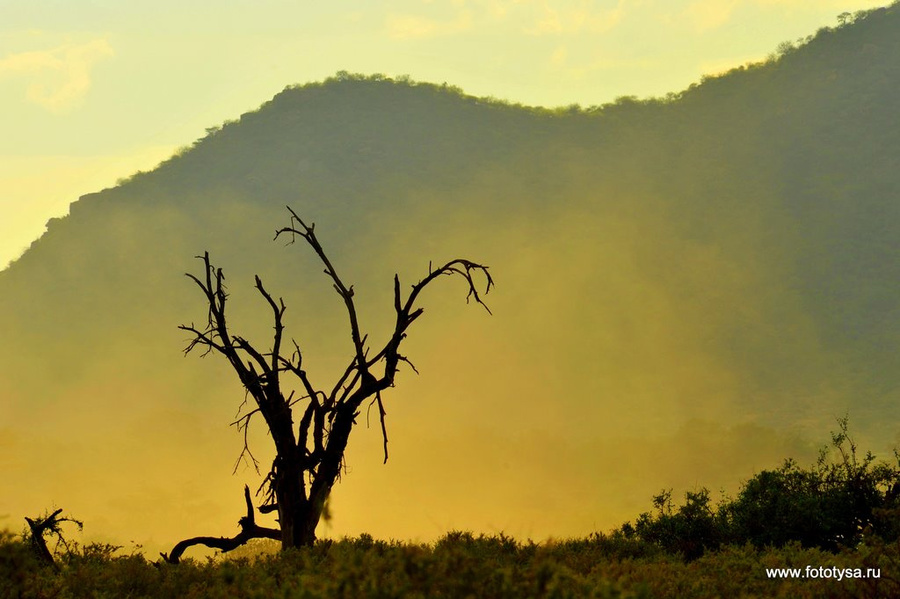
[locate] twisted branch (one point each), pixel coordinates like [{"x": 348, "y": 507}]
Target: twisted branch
[{"x": 249, "y": 530}]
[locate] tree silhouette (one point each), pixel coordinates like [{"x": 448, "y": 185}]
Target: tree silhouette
[{"x": 308, "y": 457}]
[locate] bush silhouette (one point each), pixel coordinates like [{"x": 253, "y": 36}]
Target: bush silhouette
[{"x": 835, "y": 503}]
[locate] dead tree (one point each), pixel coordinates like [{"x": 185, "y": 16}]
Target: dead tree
[
  {"x": 309, "y": 456},
  {"x": 48, "y": 524}
]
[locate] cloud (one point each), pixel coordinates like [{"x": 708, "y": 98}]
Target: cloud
[
  {"x": 411, "y": 26},
  {"x": 559, "y": 56},
  {"x": 706, "y": 15},
  {"x": 499, "y": 9},
  {"x": 408, "y": 26},
  {"x": 818, "y": 4},
  {"x": 575, "y": 18},
  {"x": 710, "y": 14},
  {"x": 58, "y": 79},
  {"x": 531, "y": 17}
]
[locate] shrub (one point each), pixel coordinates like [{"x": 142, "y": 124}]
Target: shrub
[{"x": 830, "y": 505}]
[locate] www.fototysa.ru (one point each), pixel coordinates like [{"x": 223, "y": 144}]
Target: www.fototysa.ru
[{"x": 308, "y": 457}]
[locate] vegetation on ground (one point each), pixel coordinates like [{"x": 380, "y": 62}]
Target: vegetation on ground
[
  {"x": 841, "y": 501},
  {"x": 835, "y": 523},
  {"x": 727, "y": 254},
  {"x": 458, "y": 565}
]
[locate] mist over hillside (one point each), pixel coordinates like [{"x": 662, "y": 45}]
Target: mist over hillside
[{"x": 688, "y": 289}]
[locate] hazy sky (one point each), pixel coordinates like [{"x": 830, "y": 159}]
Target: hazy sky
[{"x": 93, "y": 90}]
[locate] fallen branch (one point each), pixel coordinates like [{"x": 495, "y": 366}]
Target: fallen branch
[{"x": 249, "y": 530}]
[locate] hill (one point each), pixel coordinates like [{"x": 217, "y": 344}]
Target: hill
[{"x": 688, "y": 287}]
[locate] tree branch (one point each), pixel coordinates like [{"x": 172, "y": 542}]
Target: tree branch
[
  {"x": 307, "y": 232},
  {"x": 249, "y": 530}
]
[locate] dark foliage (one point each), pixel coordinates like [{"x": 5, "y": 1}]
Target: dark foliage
[
  {"x": 458, "y": 565},
  {"x": 832, "y": 504}
]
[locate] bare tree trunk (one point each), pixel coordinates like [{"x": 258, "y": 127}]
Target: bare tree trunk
[
  {"x": 293, "y": 506},
  {"x": 38, "y": 542},
  {"x": 42, "y": 526}
]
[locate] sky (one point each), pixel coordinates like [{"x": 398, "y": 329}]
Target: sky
[{"x": 92, "y": 91}]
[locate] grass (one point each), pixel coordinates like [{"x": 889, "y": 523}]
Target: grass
[{"x": 459, "y": 565}]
